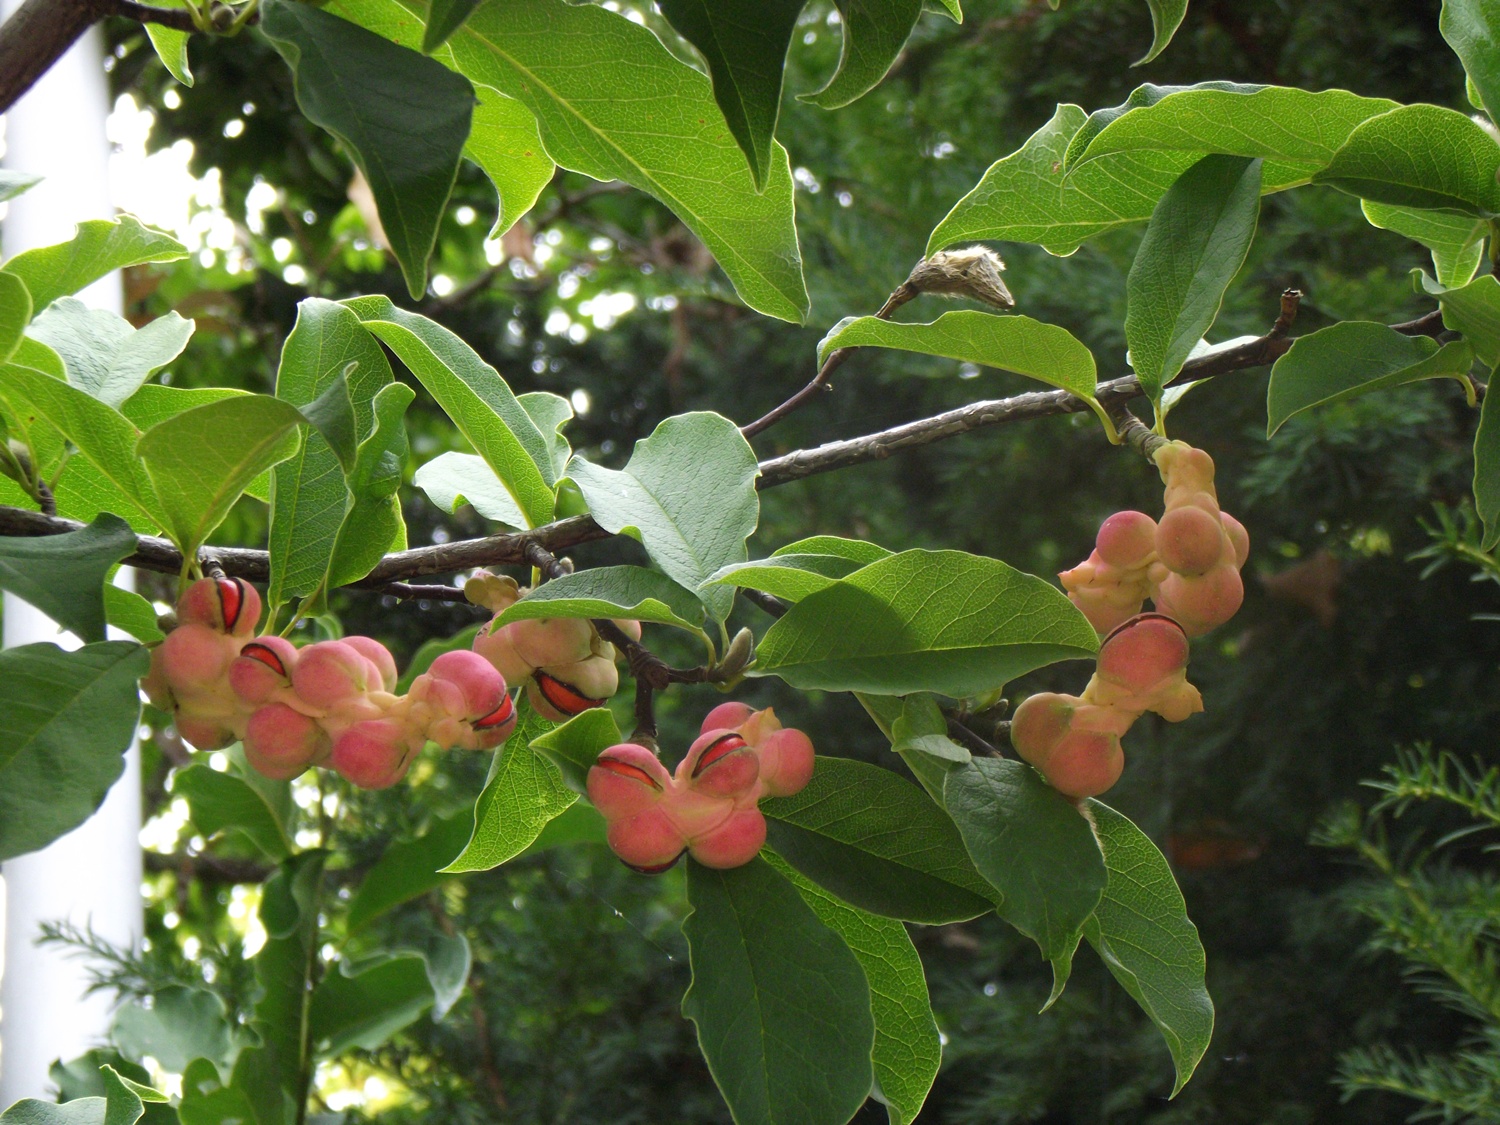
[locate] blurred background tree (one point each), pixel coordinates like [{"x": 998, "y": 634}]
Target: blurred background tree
[{"x": 1342, "y": 653}]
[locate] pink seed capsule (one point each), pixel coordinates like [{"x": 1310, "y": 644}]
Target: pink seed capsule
[
  {"x": 786, "y": 762},
  {"x": 228, "y": 605},
  {"x": 280, "y": 743},
  {"x": 1084, "y": 764},
  {"x": 263, "y": 667},
  {"x": 1126, "y": 540},
  {"x": 205, "y": 734},
  {"x": 726, "y": 716},
  {"x": 481, "y": 687},
  {"x": 734, "y": 843},
  {"x": 560, "y": 693},
  {"x": 329, "y": 672},
  {"x": 1239, "y": 538},
  {"x": 720, "y": 764},
  {"x": 1143, "y": 652},
  {"x": 1191, "y": 541},
  {"x": 373, "y": 754},
  {"x": 647, "y": 842},
  {"x": 195, "y": 658},
  {"x": 626, "y": 779},
  {"x": 1040, "y": 723},
  {"x": 379, "y": 656}
]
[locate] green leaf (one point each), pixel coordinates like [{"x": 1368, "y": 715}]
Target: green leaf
[
  {"x": 1456, "y": 241},
  {"x": 372, "y": 520},
  {"x": 66, "y": 720},
  {"x": 172, "y": 48},
  {"x": 1166, "y": 18},
  {"x": 504, "y": 142},
  {"x": 781, "y": 1003},
  {"x": 182, "y": 1024},
  {"x": 575, "y": 744},
  {"x": 403, "y": 117},
  {"x": 64, "y": 575},
  {"x": 1352, "y": 358},
  {"x": 855, "y": 550},
  {"x": 364, "y": 1008},
  {"x": 1142, "y": 932},
  {"x": 1196, "y": 242},
  {"x": 941, "y": 621},
  {"x": 657, "y": 129},
  {"x": 550, "y": 413},
  {"x": 1035, "y": 847},
  {"x": 879, "y": 842},
  {"x": 687, "y": 493},
  {"x": 474, "y": 396},
  {"x": 221, "y": 802},
  {"x": 128, "y": 611},
  {"x": 1487, "y": 471},
  {"x": 201, "y": 460},
  {"x": 100, "y": 246},
  {"x": 922, "y": 729},
  {"x": 630, "y": 592},
  {"x": 15, "y": 313},
  {"x": 1419, "y": 156},
  {"x": 1295, "y": 131},
  {"x": 744, "y": 43},
  {"x": 121, "y": 1105},
  {"x": 1046, "y": 352},
  {"x": 1473, "y": 309},
  {"x": 454, "y": 479},
  {"x": 874, "y": 33},
  {"x": 104, "y": 436},
  {"x": 523, "y": 793},
  {"x": 1472, "y": 29},
  {"x": 310, "y": 498},
  {"x": 908, "y": 1048},
  {"x": 13, "y": 183},
  {"x": 102, "y": 354},
  {"x": 409, "y": 868},
  {"x": 1025, "y": 197},
  {"x": 792, "y": 577},
  {"x": 444, "y": 17}
]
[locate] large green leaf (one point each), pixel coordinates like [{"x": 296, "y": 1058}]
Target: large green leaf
[
  {"x": 122, "y": 1104},
  {"x": 1487, "y": 470},
  {"x": 1025, "y": 197},
  {"x": 1420, "y": 156},
  {"x": 1166, "y": 18},
  {"x": 855, "y": 550},
  {"x": 454, "y": 479},
  {"x": 364, "y": 1007},
  {"x": 874, "y": 33},
  {"x": 524, "y": 791},
  {"x": 15, "y": 313},
  {"x": 791, "y": 577},
  {"x": 474, "y": 396},
  {"x": 614, "y": 104},
  {"x": 1473, "y": 309},
  {"x": 201, "y": 460},
  {"x": 1456, "y": 241},
  {"x": 1047, "y": 352},
  {"x": 444, "y": 17},
  {"x": 744, "y": 43},
  {"x": 104, "y": 436},
  {"x": 1035, "y": 847},
  {"x": 632, "y": 592},
  {"x": 879, "y": 842},
  {"x": 687, "y": 493},
  {"x": 1472, "y": 29},
  {"x": 66, "y": 720},
  {"x": 100, "y": 246},
  {"x": 64, "y": 575},
  {"x": 372, "y": 520},
  {"x": 311, "y": 497},
  {"x": 221, "y": 802},
  {"x": 1142, "y": 931},
  {"x": 409, "y": 868},
  {"x": 574, "y": 746},
  {"x": 1196, "y": 242},
  {"x": 504, "y": 142},
  {"x": 908, "y": 1047},
  {"x": 102, "y": 354},
  {"x": 1295, "y": 131},
  {"x": 1352, "y": 358},
  {"x": 941, "y": 621},
  {"x": 781, "y": 1003},
  {"x": 403, "y": 117},
  {"x": 182, "y": 1024}
]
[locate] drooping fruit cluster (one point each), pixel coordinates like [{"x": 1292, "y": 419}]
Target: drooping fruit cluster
[
  {"x": 1074, "y": 741},
  {"x": 331, "y": 703},
  {"x": 1188, "y": 564},
  {"x": 708, "y": 808},
  {"x": 564, "y": 663}
]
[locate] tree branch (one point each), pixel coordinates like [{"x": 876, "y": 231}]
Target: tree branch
[
  {"x": 511, "y": 548},
  {"x": 41, "y": 31}
]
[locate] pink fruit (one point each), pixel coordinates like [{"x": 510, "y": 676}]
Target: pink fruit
[
  {"x": 205, "y": 734},
  {"x": 1126, "y": 540},
  {"x": 499, "y": 648},
  {"x": 227, "y": 605},
  {"x": 195, "y": 658},
  {"x": 373, "y": 754},
  {"x": 263, "y": 667},
  {"x": 1144, "y": 651},
  {"x": 1084, "y": 764},
  {"x": 480, "y": 686},
  {"x": 1191, "y": 541},
  {"x": 379, "y": 656},
  {"x": 720, "y": 764},
  {"x": 559, "y": 693},
  {"x": 648, "y": 842},
  {"x": 1040, "y": 723},
  {"x": 1202, "y": 603},
  {"x": 726, "y": 716},
  {"x": 329, "y": 672},
  {"x": 1239, "y": 538},
  {"x": 280, "y": 743},
  {"x": 734, "y": 843},
  {"x": 626, "y": 779},
  {"x": 786, "y": 762}
]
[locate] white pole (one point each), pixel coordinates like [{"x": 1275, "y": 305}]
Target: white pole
[{"x": 91, "y": 877}]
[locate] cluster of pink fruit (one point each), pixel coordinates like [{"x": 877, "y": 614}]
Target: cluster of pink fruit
[
  {"x": 1189, "y": 565},
  {"x": 709, "y": 807},
  {"x": 331, "y": 703}
]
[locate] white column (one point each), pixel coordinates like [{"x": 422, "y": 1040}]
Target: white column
[{"x": 93, "y": 875}]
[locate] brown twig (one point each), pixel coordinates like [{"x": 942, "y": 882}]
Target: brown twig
[{"x": 41, "y": 31}]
